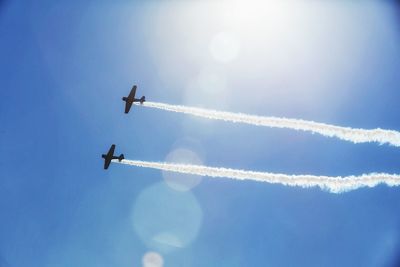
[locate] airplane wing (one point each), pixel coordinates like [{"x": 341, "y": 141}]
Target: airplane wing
[
  {"x": 132, "y": 93},
  {"x": 128, "y": 106},
  {"x": 110, "y": 152},
  {"x": 107, "y": 163},
  {"x": 109, "y": 156}
]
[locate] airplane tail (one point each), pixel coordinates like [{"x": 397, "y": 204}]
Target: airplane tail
[
  {"x": 142, "y": 99},
  {"x": 121, "y": 157}
]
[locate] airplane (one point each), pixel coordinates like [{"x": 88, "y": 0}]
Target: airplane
[
  {"x": 110, "y": 156},
  {"x": 131, "y": 98}
]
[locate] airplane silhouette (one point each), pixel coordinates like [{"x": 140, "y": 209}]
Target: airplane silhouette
[
  {"x": 131, "y": 99},
  {"x": 110, "y": 156}
]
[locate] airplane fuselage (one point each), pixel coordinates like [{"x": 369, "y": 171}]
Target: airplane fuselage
[
  {"x": 109, "y": 157},
  {"x": 130, "y": 101}
]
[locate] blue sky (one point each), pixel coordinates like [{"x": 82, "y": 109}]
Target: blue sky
[{"x": 65, "y": 66}]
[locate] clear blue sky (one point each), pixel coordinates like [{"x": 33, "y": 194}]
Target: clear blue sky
[{"x": 64, "y": 66}]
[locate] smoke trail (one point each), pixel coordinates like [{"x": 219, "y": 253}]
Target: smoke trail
[
  {"x": 332, "y": 184},
  {"x": 345, "y": 133}
]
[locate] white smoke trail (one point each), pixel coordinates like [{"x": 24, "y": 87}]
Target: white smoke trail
[
  {"x": 332, "y": 184},
  {"x": 345, "y": 133}
]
